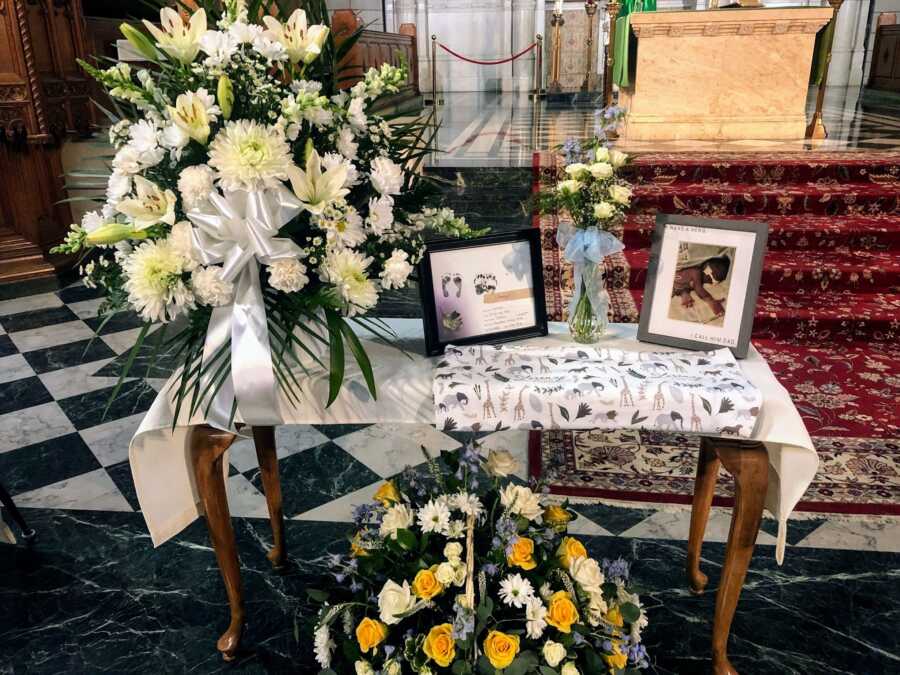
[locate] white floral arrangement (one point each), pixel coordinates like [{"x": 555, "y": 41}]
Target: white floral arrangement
[
  {"x": 460, "y": 570},
  {"x": 243, "y": 175}
]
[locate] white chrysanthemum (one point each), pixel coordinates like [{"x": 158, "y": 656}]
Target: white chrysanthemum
[
  {"x": 346, "y": 270},
  {"x": 332, "y": 160},
  {"x": 535, "y": 618},
  {"x": 468, "y": 503},
  {"x": 396, "y": 270},
  {"x": 434, "y": 517},
  {"x": 288, "y": 275},
  {"x": 153, "y": 280},
  {"x": 344, "y": 229},
  {"x": 323, "y": 645},
  {"x": 195, "y": 185},
  {"x": 249, "y": 156},
  {"x": 520, "y": 500},
  {"x": 381, "y": 215},
  {"x": 515, "y": 590},
  {"x": 346, "y": 144},
  {"x": 397, "y": 517},
  {"x": 387, "y": 176},
  {"x": 118, "y": 187},
  {"x": 210, "y": 288}
]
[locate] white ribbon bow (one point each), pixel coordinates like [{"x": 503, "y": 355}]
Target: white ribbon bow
[{"x": 239, "y": 231}]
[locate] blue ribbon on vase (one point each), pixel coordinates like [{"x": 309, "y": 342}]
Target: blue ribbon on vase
[{"x": 584, "y": 246}]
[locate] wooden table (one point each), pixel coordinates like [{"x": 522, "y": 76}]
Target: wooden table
[{"x": 746, "y": 461}]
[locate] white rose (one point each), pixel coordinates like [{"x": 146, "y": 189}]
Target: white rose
[
  {"x": 392, "y": 668},
  {"x": 553, "y": 653},
  {"x": 445, "y": 573},
  {"x": 569, "y": 186},
  {"x": 459, "y": 574},
  {"x": 620, "y": 194},
  {"x": 501, "y": 463},
  {"x": 602, "y": 154},
  {"x": 587, "y": 573},
  {"x": 617, "y": 158},
  {"x": 453, "y": 551},
  {"x": 603, "y": 210},
  {"x": 601, "y": 170},
  {"x": 398, "y": 517},
  {"x": 522, "y": 501},
  {"x": 364, "y": 668},
  {"x": 570, "y": 669},
  {"x": 393, "y": 601},
  {"x": 577, "y": 170}
]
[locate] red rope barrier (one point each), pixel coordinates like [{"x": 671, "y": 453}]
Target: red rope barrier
[{"x": 488, "y": 63}]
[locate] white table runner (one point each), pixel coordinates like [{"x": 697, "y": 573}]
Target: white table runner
[
  {"x": 581, "y": 387},
  {"x": 160, "y": 457}
]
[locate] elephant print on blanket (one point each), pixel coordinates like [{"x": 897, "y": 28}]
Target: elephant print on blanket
[{"x": 581, "y": 387}]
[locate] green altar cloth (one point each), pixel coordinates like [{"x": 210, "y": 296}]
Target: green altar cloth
[{"x": 625, "y": 47}]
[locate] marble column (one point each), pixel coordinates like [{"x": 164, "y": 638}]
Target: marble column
[
  {"x": 848, "y": 51},
  {"x": 523, "y": 30}
]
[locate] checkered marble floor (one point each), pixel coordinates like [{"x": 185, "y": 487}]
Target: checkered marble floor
[{"x": 58, "y": 450}]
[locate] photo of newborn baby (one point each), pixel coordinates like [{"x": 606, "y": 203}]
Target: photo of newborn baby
[{"x": 701, "y": 283}]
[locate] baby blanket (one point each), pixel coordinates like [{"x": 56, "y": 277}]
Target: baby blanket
[{"x": 578, "y": 387}]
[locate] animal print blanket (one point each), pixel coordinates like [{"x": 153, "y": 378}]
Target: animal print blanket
[{"x": 499, "y": 387}]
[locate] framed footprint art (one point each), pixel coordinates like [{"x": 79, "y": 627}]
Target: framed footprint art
[{"x": 485, "y": 290}]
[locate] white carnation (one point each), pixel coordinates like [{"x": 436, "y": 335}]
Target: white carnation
[
  {"x": 195, "y": 185},
  {"x": 92, "y": 220},
  {"x": 183, "y": 244},
  {"x": 535, "y": 618},
  {"x": 210, "y": 288},
  {"x": 288, "y": 275},
  {"x": 356, "y": 114},
  {"x": 381, "y": 214},
  {"x": 396, "y": 270},
  {"x": 387, "y": 176},
  {"x": 118, "y": 187},
  {"x": 346, "y": 144},
  {"x": 332, "y": 160}
]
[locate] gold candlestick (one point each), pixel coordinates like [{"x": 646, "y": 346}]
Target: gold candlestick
[
  {"x": 590, "y": 6},
  {"x": 556, "y": 22},
  {"x": 613, "y": 8}
]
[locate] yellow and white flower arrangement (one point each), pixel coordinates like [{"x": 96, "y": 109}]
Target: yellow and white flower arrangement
[
  {"x": 242, "y": 102},
  {"x": 457, "y": 569}
]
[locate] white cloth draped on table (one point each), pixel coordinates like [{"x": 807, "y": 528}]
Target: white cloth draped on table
[
  {"x": 160, "y": 457},
  {"x": 581, "y": 387}
]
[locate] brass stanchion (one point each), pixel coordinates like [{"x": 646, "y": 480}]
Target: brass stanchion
[
  {"x": 538, "y": 74},
  {"x": 590, "y": 6},
  {"x": 816, "y": 129},
  {"x": 613, "y": 8},
  {"x": 556, "y": 22},
  {"x": 435, "y": 99}
]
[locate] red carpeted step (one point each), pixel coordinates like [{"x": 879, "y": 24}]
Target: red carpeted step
[
  {"x": 726, "y": 200},
  {"x": 790, "y": 271},
  {"x": 877, "y": 168},
  {"x": 801, "y": 232}
]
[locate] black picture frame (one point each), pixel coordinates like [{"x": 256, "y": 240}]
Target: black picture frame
[
  {"x": 742, "y": 346},
  {"x": 433, "y": 344}
]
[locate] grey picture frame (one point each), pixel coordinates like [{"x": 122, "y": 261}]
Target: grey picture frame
[{"x": 761, "y": 230}]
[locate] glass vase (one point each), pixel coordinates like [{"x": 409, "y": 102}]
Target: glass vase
[{"x": 589, "y": 320}]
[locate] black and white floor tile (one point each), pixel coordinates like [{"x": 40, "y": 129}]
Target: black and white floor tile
[{"x": 98, "y": 597}]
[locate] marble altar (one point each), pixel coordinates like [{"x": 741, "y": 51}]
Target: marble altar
[{"x": 728, "y": 74}]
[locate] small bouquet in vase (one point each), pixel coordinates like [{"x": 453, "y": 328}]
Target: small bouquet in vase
[
  {"x": 253, "y": 199},
  {"x": 591, "y": 199},
  {"x": 460, "y": 570}
]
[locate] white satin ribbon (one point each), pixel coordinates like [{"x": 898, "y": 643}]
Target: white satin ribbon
[
  {"x": 239, "y": 231},
  {"x": 583, "y": 247}
]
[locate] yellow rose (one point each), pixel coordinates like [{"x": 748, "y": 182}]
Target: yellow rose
[
  {"x": 356, "y": 548},
  {"x": 426, "y": 585},
  {"x": 562, "y": 612},
  {"x": 569, "y": 549},
  {"x": 617, "y": 660},
  {"x": 501, "y": 648},
  {"x": 370, "y": 633},
  {"x": 439, "y": 645},
  {"x": 388, "y": 494},
  {"x": 557, "y": 517},
  {"x": 614, "y": 617},
  {"x": 522, "y": 554}
]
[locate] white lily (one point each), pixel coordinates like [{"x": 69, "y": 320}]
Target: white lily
[
  {"x": 180, "y": 41},
  {"x": 301, "y": 41},
  {"x": 316, "y": 189},
  {"x": 149, "y": 206},
  {"x": 193, "y": 112}
]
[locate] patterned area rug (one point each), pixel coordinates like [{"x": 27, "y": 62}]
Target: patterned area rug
[{"x": 828, "y": 322}]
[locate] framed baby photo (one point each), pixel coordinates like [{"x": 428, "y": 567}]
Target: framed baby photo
[
  {"x": 702, "y": 283},
  {"x": 484, "y": 290}
]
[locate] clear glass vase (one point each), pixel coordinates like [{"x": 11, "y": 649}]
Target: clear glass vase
[{"x": 589, "y": 320}]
